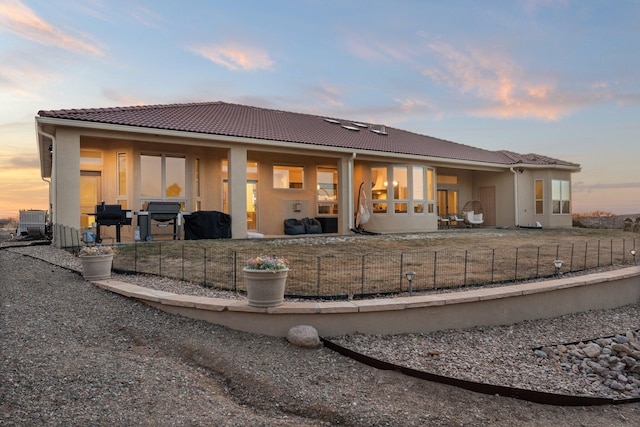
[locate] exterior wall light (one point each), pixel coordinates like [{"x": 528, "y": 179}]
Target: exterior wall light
[
  {"x": 634, "y": 253},
  {"x": 410, "y": 275},
  {"x": 558, "y": 264}
]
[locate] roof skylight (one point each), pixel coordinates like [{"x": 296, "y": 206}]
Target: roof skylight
[{"x": 381, "y": 131}]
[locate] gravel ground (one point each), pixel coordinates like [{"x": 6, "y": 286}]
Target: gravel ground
[{"x": 73, "y": 354}]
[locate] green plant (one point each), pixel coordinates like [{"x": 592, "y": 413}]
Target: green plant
[
  {"x": 96, "y": 250},
  {"x": 268, "y": 263}
]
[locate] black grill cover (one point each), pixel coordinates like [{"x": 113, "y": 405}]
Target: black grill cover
[{"x": 207, "y": 225}]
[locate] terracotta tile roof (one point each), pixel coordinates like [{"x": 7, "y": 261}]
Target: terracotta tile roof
[
  {"x": 535, "y": 159},
  {"x": 219, "y": 118}
]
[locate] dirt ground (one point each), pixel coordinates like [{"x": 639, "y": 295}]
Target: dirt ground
[{"x": 334, "y": 391}]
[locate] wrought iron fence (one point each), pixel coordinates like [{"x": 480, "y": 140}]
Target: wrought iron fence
[{"x": 378, "y": 273}]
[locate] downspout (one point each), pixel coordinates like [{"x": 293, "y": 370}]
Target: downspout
[
  {"x": 52, "y": 188},
  {"x": 350, "y": 208},
  {"x": 515, "y": 195}
]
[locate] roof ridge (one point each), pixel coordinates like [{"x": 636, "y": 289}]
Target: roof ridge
[
  {"x": 511, "y": 155},
  {"x": 129, "y": 107}
]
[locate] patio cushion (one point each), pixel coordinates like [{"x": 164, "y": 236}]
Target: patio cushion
[
  {"x": 312, "y": 226},
  {"x": 293, "y": 226}
]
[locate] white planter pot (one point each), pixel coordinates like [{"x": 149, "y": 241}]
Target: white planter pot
[
  {"x": 265, "y": 288},
  {"x": 96, "y": 267}
]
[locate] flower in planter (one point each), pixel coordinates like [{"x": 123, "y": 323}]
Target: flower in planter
[
  {"x": 268, "y": 263},
  {"x": 97, "y": 250}
]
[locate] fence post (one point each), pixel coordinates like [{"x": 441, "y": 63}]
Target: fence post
[
  {"x": 234, "y": 272},
  {"x": 318, "y": 277},
  {"x": 466, "y": 251},
  {"x": 516, "y": 266},
  {"x": 435, "y": 269},
  {"x": 611, "y": 247},
  {"x": 401, "y": 264},
  {"x": 538, "y": 263},
  {"x": 493, "y": 262},
  {"x": 573, "y": 245},
  {"x": 586, "y": 249},
  {"x": 160, "y": 259},
  {"x": 598, "y": 253},
  {"x": 204, "y": 267},
  {"x": 362, "y": 276},
  {"x": 182, "y": 275},
  {"x": 135, "y": 256}
]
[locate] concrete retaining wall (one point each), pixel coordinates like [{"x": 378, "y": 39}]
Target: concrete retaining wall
[{"x": 479, "y": 307}]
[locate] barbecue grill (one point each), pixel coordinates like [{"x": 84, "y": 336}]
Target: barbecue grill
[
  {"x": 107, "y": 215},
  {"x": 161, "y": 214}
]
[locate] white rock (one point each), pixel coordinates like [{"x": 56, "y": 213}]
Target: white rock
[{"x": 304, "y": 336}]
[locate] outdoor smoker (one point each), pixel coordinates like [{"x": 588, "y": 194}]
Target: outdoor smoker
[
  {"x": 162, "y": 214},
  {"x": 107, "y": 215}
]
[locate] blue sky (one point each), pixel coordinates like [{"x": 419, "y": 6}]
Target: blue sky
[{"x": 554, "y": 77}]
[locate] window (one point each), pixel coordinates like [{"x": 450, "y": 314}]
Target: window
[
  {"x": 412, "y": 189},
  {"x": 400, "y": 189},
  {"x": 418, "y": 189},
  {"x": 561, "y": 196},
  {"x": 379, "y": 190},
  {"x": 151, "y": 176},
  {"x": 539, "y": 197},
  {"x": 447, "y": 179},
  {"x": 121, "y": 184},
  {"x": 162, "y": 177},
  {"x": 122, "y": 175},
  {"x": 327, "y": 185},
  {"x": 90, "y": 159},
  {"x": 431, "y": 189},
  {"x": 290, "y": 177},
  {"x": 196, "y": 179}
]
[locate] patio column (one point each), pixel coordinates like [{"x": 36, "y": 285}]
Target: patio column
[
  {"x": 66, "y": 157},
  {"x": 238, "y": 191},
  {"x": 346, "y": 194}
]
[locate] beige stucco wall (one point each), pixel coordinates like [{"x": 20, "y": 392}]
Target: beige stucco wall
[
  {"x": 526, "y": 198},
  {"x": 66, "y": 181},
  {"x": 275, "y": 205},
  {"x": 390, "y": 222}
]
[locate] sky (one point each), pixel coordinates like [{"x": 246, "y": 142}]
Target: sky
[{"x": 553, "y": 77}]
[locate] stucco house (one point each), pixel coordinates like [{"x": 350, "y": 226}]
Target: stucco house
[{"x": 263, "y": 166}]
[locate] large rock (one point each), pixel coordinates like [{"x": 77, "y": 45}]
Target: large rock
[
  {"x": 592, "y": 350},
  {"x": 304, "y": 336}
]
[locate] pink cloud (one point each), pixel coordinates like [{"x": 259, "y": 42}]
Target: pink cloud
[
  {"x": 496, "y": 79},
  {"x": 235, "y": 56},
  {"x": 18, "y": 19}
]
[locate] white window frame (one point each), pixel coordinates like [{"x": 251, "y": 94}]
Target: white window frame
[
  {"x": 564, "y": 187},
  {"x": 284, "y": 167},
  {"x": 163, "y": 186}
]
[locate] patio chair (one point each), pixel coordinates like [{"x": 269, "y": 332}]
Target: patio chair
[
  {"x": 443, "y": 222},
  {"x": 455, "y": 220},
  {"x": 473, "y": 213}
]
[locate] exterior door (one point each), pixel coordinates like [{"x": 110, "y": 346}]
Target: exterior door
[
  {"x": 252, "y": 205},
  {"x": 487, "y": 196},
  {"x": 90, "y": 196},
  {"x": 447, "y": 202}
]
